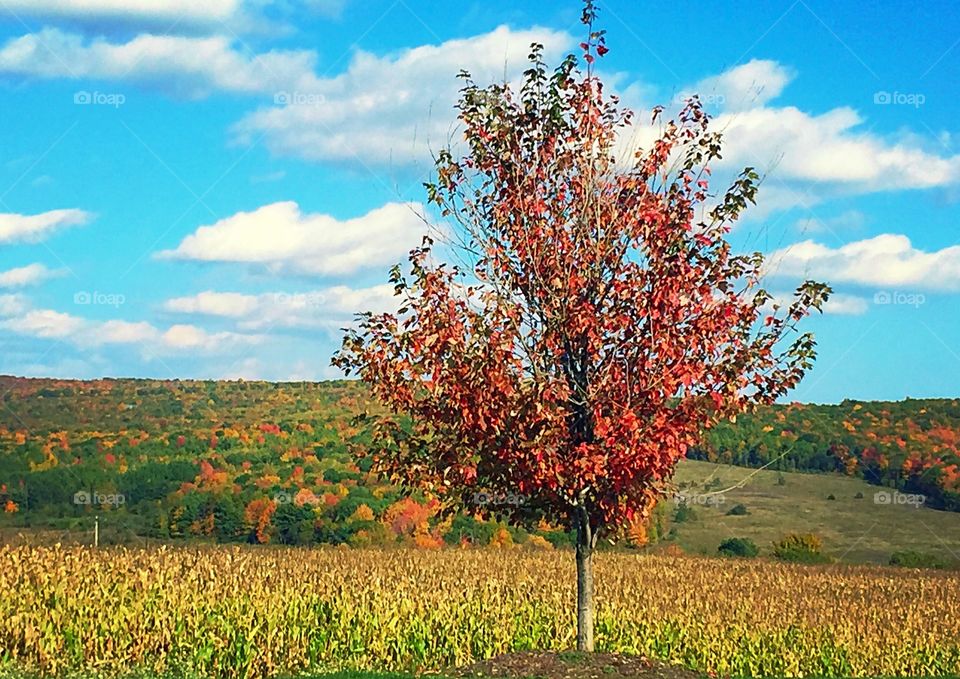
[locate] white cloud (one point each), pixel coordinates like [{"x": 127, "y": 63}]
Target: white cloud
[
  {"x": 745, "y": 86},
  {"x": 12, "y": 305},
  {"x": 34, "y": 228},
  {"x": 185, "y": 66},
  {"x": 327, "y": 308},
  {"x": 392, "y": 109},
  {"x": 886, "y": 260},
  {"x": 846, "y": 305},
  {"x": 839, "y": 304},
  {"x": 86, "y": 334},
  {"x": 26, "y": 275},
  {"x": 45, "y": 324},
  {"x": 124, "y": 332},
  {"x": 830, "y": 148},
  {"x": 210, "y": 303},
  {"x": 170, "y": 10},
  {"x": 192, "y": 338},
  {"x": 383, "y": 109},
  {"x": 830, "y": 153},
  {"x": 282, "y": 239}
]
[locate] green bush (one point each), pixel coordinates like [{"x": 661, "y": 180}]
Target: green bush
[
  {"x": 744, "y": 547},
  {"x": 800, "y": 548},
  {"x": 738, "y": 510},
  {"x": 684, "y": 513},
  {"x": 911, "y": 559}
]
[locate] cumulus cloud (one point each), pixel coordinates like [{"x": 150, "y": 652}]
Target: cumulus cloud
[
  {"x": 23, "y": 276},
  {"x": 123, "y": 332},
  {"x": 210, "y": 303},
  {"x": 12, "y": 305},
  {"x": 830, "y": 153},
  {"x": 45, "y": 324},
  {"x": 839, "y": 304},
  {"x": 182, "y": 65},
  {"x": 282, "y": 239},
  {"x": 327, "y": 308},
  {"x": 846, "y": 305},
  {"x": 745, "y": 86},
  {"x": 382, "y": 109},
  {"x": 886, "y": 260},
  {"x": 169, "y": 10},
  {"x": 35, "y": 228},
  {"x": 184, "y": 337},
  {"x": 393, "y": 109},
  {"x": 87, "y": 334},
  {"x": 830, "y": 148}
]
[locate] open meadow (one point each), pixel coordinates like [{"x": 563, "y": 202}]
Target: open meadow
[{"x": 857, "y": 521}]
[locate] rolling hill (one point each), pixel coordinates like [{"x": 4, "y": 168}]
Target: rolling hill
[{"x": 264, "y": 462}]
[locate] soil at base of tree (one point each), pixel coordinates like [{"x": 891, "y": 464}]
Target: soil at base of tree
[{"x": 573, "y": 665}]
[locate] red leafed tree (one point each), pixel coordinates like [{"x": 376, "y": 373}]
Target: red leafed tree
[{"x": 585, "y": 320}]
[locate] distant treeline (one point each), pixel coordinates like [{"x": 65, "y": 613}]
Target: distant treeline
[
  {"x": 909, "y": 445},
  {"x": 259, "y": 462}
]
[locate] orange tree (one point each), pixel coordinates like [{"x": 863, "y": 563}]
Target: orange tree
[{"x": 582, "y": 325}]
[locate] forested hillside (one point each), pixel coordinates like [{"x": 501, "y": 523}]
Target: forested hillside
[
  {"x": 263, "y": 462},
  {"x": 909, "y": 445}
]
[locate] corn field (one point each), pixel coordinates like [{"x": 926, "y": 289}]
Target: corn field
[{"x": 251, "y": 612}]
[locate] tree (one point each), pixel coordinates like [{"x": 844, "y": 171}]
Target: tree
[{"x": 583, "y": 325}]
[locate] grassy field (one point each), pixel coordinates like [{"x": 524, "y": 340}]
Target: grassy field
[{"x": 853, "y": 530}]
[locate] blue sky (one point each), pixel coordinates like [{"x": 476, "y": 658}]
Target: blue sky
[{"x": 211, "y": 189}]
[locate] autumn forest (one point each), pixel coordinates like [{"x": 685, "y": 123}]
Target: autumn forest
[{"x": 283, "y": 463}]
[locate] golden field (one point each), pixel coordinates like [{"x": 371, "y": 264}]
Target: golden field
[{"x": 245, "y": 612}]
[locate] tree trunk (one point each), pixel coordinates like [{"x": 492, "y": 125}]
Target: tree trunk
[{"x": 585, "y": 604}]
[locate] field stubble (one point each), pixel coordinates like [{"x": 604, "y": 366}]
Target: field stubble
[{"x": 244, "y": 612}]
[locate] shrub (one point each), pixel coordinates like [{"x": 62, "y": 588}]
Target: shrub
[
  {"x": 744, "y": 547},
  {"x": 684, "y": 513},
  {"x": 911, "y": 559},
  {"x": 559, "y": 538},
  {"x": 738, "y": 510},
  {"x": 800, "y": 548},
  {"x": 831, "y": 496},
  {"x": 781, "y": 480},
  {"x": 858, "y": 496}
]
